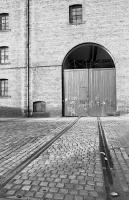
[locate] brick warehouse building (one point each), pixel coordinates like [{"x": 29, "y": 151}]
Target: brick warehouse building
[{"x": 64, "y": 57}]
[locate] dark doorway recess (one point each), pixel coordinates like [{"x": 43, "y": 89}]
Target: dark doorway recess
[{"x": 88, "y": 81}]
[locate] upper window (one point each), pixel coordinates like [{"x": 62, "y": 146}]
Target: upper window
[
  {"x": 75, "y": 14},
  {"x": 3, "y": 87},
  {"x": 4, "y": 21},
  {"x": 4, "y": 55}
]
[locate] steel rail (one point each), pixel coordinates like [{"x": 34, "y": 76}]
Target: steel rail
[
  {"x": 19, "y": 144},
  {"x": 106, "y": 160},
  {"x": 105, "y": 153},
  {"x": 35, "y": 155},
  {"x": 110, "y": 177}
]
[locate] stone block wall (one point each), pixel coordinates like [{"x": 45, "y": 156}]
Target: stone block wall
[
  {"x": 51, "y": 38},
  {"x": 46, "y": 86},
  {"x": 15, "y": 69},
  {"x": 104, "y": 22},
  {"x": 12, "y": 105}
]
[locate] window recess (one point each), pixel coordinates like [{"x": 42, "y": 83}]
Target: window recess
[
  {"x": 4, "y": 55},
  {"x": 75, "y": 14},
  {"x": 3, "y": 87},
  {"x": 4, "y": 21}
]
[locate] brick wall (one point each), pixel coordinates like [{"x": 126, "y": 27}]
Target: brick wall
[
  {"x": 12, "y": 105},
  {"x": 15, "y": 70},
  {"x": 104, "y": 22},
  {"x": 46, "y": 86}
]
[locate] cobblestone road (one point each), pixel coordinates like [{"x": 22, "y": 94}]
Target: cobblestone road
[
  {"x": 69, "y": 169},
  {"x": 19, "y": 139},
  {"x": 117, "y": 133}
]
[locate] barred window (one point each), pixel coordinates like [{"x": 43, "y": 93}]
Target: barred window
[
  {"x": 3, "y": 87},
  {"x": 4, "y": 55},
  {"x": 75, "y": 14},
  {"x": 4, "y": 21}
]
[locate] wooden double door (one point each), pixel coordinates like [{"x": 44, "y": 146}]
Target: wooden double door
[{"x": 89, "y": 92}]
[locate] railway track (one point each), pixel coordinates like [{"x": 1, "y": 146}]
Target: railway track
[
  {"x": 8, "y": 176},
  {"x": 112, "y": 186},
  {"x": 19, "y": 148},
  {"x": 110, "y": 178}
]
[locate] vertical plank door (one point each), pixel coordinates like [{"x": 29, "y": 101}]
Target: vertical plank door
[
  {"x": 102, "y": 91},
  {"x": 76, "y": 92}
]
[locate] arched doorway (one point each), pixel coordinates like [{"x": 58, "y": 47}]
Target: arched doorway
[{"x": 89, "y": 81}]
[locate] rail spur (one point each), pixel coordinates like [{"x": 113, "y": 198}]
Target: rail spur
[{"x": 6, "y": 178}]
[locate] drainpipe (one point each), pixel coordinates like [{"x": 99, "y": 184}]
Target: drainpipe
[{"x": 28, "y": 58}]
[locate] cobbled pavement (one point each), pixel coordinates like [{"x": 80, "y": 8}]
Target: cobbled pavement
[
  {"x": 70, "y": 169},
  {"x": 117, "y": 134},
  {"x": 21, "y": 138}
]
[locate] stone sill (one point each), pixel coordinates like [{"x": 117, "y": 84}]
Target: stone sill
[{"x": 83, "y": 22}]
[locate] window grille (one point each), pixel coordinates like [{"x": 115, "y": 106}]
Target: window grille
[
  {"x": 4, "y": 21},
  {"x": 75, "y": 14},
  {"x": 3, "y": 55},
  {"x": 3, "y": 87}
]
